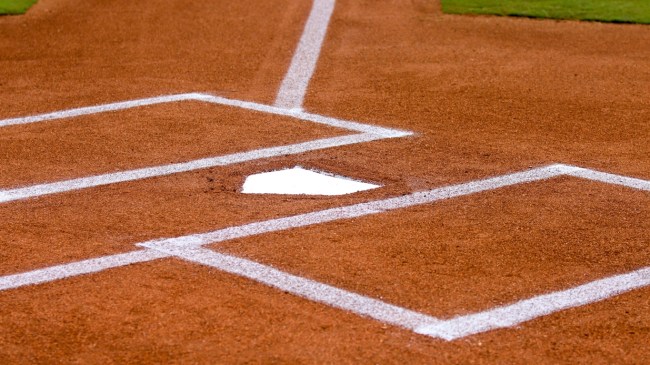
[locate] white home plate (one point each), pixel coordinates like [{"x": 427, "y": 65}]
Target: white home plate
[{"x": 300, "y": 181}]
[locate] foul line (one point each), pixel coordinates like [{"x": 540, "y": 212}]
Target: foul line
[
  {"x": 190, "y": 248},
  {"x": 294, "y": 86}
]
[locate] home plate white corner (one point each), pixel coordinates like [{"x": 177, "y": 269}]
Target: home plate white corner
[{"x": 299, "y": 181}]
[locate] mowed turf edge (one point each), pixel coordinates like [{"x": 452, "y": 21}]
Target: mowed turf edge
[
  {"x": 15, "y": 7},
  {"x": 611, "y": 11}
]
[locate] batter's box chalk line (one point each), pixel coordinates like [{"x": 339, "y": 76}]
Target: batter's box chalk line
[
  {"x": 191, "y": 248},
  {"x": 362, "y": 133}
]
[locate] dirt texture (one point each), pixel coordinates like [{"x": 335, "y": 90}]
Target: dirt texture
[
  {"x": 484, "y": 95},
  {"x": 471, "y": 253},
  {"x": 175, "y": 312},
  {"x": 143, "y": 137}
]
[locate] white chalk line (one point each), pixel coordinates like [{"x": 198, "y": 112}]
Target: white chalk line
[
  {"x": 528, "y": 309},
  {"x": 358, "y": 210},
  {"x": 294, "y": 85},
  {"x": 452, "y": 329},
  {"x": 39, "y": 190},
  {"x": 303, "y": 287},
  {"x": 70, "y": 113},
  {"x": 129, "y": 104},
  {"x": 63, "y": 271},
  {"x": 190, "y": 247},
  {"x": 302, "y": 220},
  {"x": 367, "y": 133},
  {"x": 604, "y": 177},
  {"x": 304, "y": 116}
]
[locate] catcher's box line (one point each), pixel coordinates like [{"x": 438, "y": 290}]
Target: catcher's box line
[{"x": 190, "y": 248}]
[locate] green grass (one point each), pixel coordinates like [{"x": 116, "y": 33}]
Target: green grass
[
  {"x": 13, "y": 7},
  {"x": 616, "y": 11}
]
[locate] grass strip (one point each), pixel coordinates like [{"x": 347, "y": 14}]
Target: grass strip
[
  {"x": 13, "y": 7},
  {"x": 614, "y": 11}
]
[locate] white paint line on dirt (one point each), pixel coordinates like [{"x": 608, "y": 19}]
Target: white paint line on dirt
[
  {"x": 444, "y": 329},
  {"x": 294, "y": 86},
  {"x": 359, "y": 210},
  {"x": 629, "y": 182},
  {"x": 33, "y": 191},
  {"x": 63, "y": 271},
  {"x": 304, "y": 116},
  {"x": 525, "y": 310},
  {"x": 273, "y": 225},
  {"x": 70, "y": 113},
  {"x": 305, "y": 288},
  {"x": 368, "y": 133},
  {"x": 129, "y": 104}
]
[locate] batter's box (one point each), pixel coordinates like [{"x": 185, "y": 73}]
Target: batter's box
[
  {"x": 362, "y": 133},
  {"x": 471, "y": 253},
  {"x": 382, "y": 308}
]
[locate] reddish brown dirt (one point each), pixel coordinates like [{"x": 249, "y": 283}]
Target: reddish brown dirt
[
  {"x": 175, "y": 312},
  {"x": 111, "y": 219},
  {"x": 471, "y": 253},
  {"x": 486, "y": 95},
  {"x": 70, "y": 53},
  {"x": 142, "y": 137}
]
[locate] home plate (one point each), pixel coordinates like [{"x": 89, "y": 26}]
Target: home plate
[{"x": 299, "y": 181}]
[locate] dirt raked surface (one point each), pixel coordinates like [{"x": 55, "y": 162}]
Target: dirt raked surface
[{"x": 484, "y": 95}]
